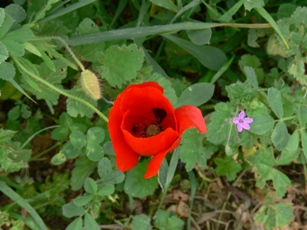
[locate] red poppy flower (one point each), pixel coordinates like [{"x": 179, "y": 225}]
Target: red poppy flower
[{"x": 142, "y": 122}]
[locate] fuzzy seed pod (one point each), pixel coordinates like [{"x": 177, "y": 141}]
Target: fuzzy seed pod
[{"x": 90, "y": 84}]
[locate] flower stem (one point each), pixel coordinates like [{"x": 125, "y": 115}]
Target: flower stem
[
  {"x": 64, "y": 43},
  {"x": 59, "y": 90},
  {"x": 287, "y": 118}
]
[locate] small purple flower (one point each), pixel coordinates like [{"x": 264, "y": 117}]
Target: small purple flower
[{"x": 242, "y": 122}]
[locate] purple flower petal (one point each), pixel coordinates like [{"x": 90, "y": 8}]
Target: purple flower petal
[
  {"x": 236, "y": 120},
  {"x": 248, "y": 120},
  {"x": 245, "y": 126},
  {"x": 240, "y": 127},
  {"x": 241, "y": 114}
]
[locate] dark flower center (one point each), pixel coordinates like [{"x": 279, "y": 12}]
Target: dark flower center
[{"x": 149, "y": 130}]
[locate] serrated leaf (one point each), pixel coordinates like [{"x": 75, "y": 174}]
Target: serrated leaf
[
  {"x": 7, "y": 71},
  {"x": 251, "y": 76},
  {"x": 2, "y": 15},
  {"x": 141, "y": 222},
  {"x": 75, "y": 225},
  {"x": 3, "y": 53},
  {"x": 196, "y": 94},
  {"x": 275, "y": 102},
  {"x": 136, "y": 185},
  {"x": 83, "y": 168},
  {"x": 121, "y": 63},
  {"x": 227, "y": 167},
  {"x": 261, "y": 124},
  {"x": 90, "y": 223},
  {"x": 200, "y": 37},
  {"x": 280, "y": 135},
  {"x": 71, "y": 210},
  {"x": 6, "y": 25},
  {"x": 192, "y": 150},
  {"x": 291, "y": 150},
  {"x": 249, "y": 5},
  {"x": 75, "y": 108},
  {"x": 21, "y": 35},
  {"x": 90, "y": 186}
]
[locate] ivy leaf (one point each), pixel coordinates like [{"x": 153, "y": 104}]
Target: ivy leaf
[
  {"x": 275, "y": 215},
  {"x": 264, "y": 161},
  {"x": 227, "y": 167},
  {"x": 121, "y": 63},
  {"x": 192, "y": 150},
  {"x": 136, "y": 185}
]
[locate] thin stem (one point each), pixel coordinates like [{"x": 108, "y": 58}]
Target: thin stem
[
  {"x": 64, "y": 44},
  {"x": 287, "y": 118},
  {"x": 60, "y": 91}
]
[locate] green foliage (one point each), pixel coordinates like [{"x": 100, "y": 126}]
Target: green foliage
[
  {"x": 164, "y": 220},
  {"x": 227, "y": 167}
]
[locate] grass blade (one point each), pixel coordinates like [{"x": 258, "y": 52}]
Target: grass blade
[{"x": 23, "y": 203}]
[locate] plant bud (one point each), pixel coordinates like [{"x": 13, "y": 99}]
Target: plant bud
[{"x": 90, "y": 84}]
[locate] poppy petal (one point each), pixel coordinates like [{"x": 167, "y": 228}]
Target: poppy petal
[
  {"x": 190, "y": 117},
  {"x": 156, "y": 161},
  {"x": 126, "y": 158}
]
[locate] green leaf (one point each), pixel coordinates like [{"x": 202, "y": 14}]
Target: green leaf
[
  {"x": 14, "y": 113},
  {"x": 162, "y": 174},
  {"x": 141, "y": 222},
  {"x": 71, "y": 210},
  {"x": 264, "y": 161},
  {"x": 136, "y": 185},
  {"x": 196, "y": 94},
  {"x": 77, "y": 139},
  {"x": 83, "y": 168},
  {"x": 167, "y": 4},
  {"x": 275, "y": 102},
  {"x": 90, "y": 223},
  {"x": 241, "y": 93},
  {"x": 16, "y": 12},
  {"x": 94, "y": 152},
  {"x": 261, "y": 124},
  {"x": 7, "y": 71},
  {"x": 280, "y": 135},
  {"x": 166, "y": 221},
  {"x": 291, "y": 150},
  {"x": 304, "y": 142},
  {"x": 200, "y": 37},
  {"x": 90, "y": 186},
  {"x": 95, "y": 135},
  {"x": 6, "y": 25},
  {"x": 2, "y": 15},
  {"x": 192, "y": 150},
  {"x": 58, "y": 158},
  {"x": 227, "y": 167},
  {"x": 107, "y": 175},
  {"x": 251, "y": 76},
  {"x": 70, "y": 151},
  {"x": 106, "y": 190},
  {"x": 3, "y": 53},
  {"x": 220, "y": 123},
  {"x": 249, "y": 5},
  {"x": 211, "y": 57},
  {"x": 302, "y": 115},
  {"x": 120, "y": 64},
  {"x": 75, "y": 225},
  {"x": 275, "y": 215},
  {"x": 83, "y": 200}
]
